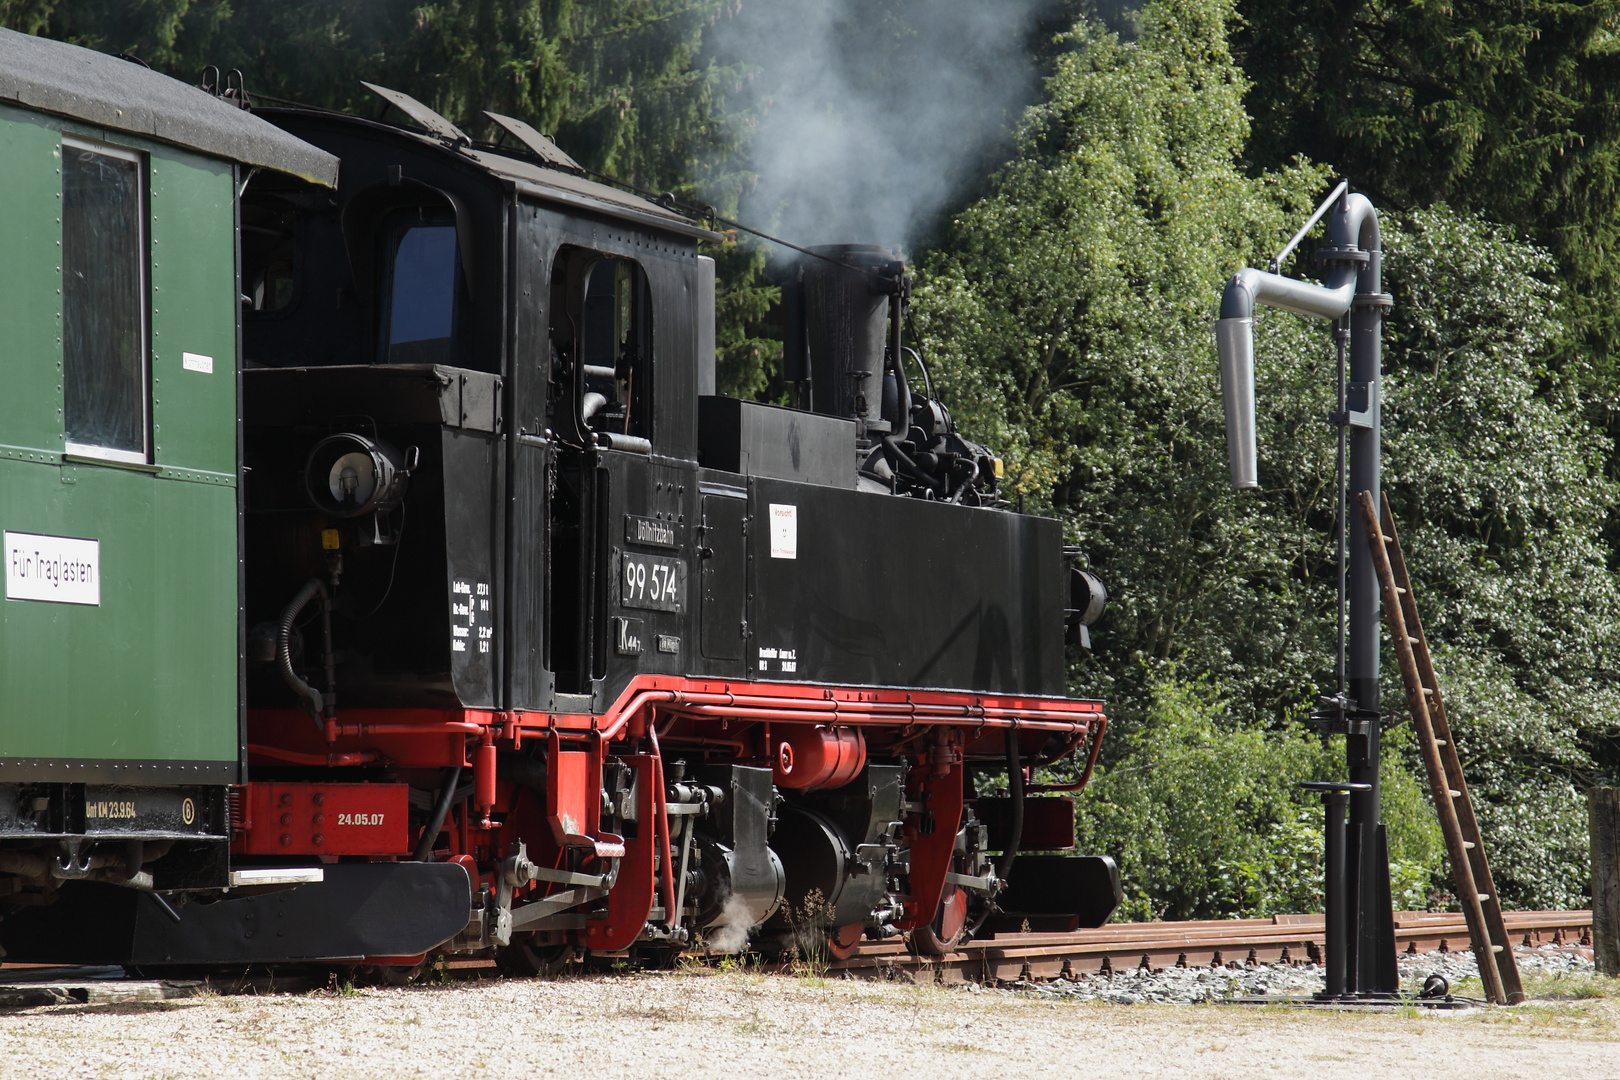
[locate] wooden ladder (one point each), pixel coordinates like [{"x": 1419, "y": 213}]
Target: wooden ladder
[{"x": 1482, "y": 910}]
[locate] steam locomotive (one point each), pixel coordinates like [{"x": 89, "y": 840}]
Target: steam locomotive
[{"x": 385, "y": 578}]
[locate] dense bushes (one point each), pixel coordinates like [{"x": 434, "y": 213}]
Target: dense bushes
[{"x": 1069, "y": 315}]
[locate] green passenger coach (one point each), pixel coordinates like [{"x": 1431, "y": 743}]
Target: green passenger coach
[{"x": 120, "y": 304}]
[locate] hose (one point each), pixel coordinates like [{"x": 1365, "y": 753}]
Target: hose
[
  {"x": 902, "y": 423},
  {"x": 897, "y": 456},
  {"x": 24, "y": 864},
  {"x": 1015, "y": 789},
  {"x": 447, "y": 795},
  {"x": 314, "y": 702}
]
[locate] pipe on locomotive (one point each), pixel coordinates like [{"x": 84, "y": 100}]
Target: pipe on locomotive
[{"x": 1353, "y": 244}]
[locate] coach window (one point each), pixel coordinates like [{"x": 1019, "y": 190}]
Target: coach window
[
  {"x": 104, "y": 302},
  {"x": 421, "y": 287}
]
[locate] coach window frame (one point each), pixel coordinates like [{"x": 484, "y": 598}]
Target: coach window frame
[{"x": 142, "y": 398}]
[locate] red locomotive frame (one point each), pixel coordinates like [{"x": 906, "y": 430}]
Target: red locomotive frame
[{"x": 791, "y": 727}]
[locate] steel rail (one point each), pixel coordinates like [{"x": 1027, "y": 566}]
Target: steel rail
[{"x": 1204, "y": 943}]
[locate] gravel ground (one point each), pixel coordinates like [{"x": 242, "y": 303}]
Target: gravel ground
[
  {"x": 1188, "y": 986},
  {"x": 702, "y": 1023}
]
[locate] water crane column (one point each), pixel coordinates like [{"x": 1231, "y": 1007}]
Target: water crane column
[{"x": 1352, "y": 291}]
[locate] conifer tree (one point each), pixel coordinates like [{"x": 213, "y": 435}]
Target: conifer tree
[{"x": 1507, "y": 107}]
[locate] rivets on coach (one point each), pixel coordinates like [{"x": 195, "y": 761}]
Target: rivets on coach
[
  {"x": 319, "y": 839},
  {"x": 286, "y": 840},
  {"x": 318, "y": 820},
  {"x": 286, "y": 819}
]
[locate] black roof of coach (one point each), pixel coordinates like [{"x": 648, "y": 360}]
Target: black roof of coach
[{"x": 50, "y": 76}]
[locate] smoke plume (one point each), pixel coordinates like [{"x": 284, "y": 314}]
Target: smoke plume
[{"x": 871, "y": 114}]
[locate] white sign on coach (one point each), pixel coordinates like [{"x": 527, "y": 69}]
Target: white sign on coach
[{"x": 55, "y": 569}]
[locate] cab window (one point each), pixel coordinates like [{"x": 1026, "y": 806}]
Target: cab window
[
  {"x": 269, "y": 255},
  {"x": 607, "y": 330},
  {"x": 421, "y": 290}
]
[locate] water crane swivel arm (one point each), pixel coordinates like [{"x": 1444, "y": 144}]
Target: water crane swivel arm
[{"x": 1353, "y": 239}]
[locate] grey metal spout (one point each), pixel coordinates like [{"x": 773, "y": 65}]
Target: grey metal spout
[{"x": 1353, "y": 229}]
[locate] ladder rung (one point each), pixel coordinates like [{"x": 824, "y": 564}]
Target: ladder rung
[
  {"x": 1454, "y": 793},
  {"x": 1496, "y": 948},
  {"x": 1468, "y": 845},
  {"x": 1484, "y": 897},
  {"x": 1400, "y": 590},
  {"x": 1412, "y": 640},
  {"x": 1428, "y": 691}
]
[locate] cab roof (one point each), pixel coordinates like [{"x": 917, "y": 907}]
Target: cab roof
[{"x": 544, "y": 172}]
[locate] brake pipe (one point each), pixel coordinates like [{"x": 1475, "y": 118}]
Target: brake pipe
[
  {"x": 335, "y": 730},
  {"x": 359, "y": 757},
  {"x": 661, "y": 830},
  {"x": 1038, "y": 722},
  {"x": 1091, "y": 763}
]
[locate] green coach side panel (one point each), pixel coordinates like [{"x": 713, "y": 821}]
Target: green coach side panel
[
  {"x": 150, "y": 674},
  {"x": 194, "y": 311},
  {"x": 30, "y": 285},
  {"x": 142, "y": 686}
]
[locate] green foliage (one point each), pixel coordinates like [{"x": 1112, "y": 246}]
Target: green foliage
[
  {"x": 1068, "y": 315},
  {"x": 747, "y": 354},
  {"x": 1501, "y": 490},
  {"x": 1508, "y": 107},
  {"x": 620, "y": 83},
  {"x": 26, "y": 16},
  {"x": 1522, "y": 756},
  {"x": 1202, "y": 819},
  {"x": 1206, "y": 820}
]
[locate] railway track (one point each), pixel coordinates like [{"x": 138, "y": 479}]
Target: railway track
[
  {"x": 1281, "y": 938},
  {"x": 1006, "y": 957}
]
